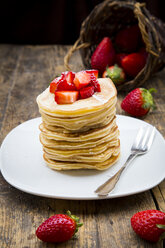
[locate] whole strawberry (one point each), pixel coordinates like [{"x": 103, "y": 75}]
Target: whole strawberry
[
  {"x": 119, "y": 57},
  {"x": 138, "y": 102},
  {"x": 133, "y": 63},
  {"x": 128, "y": 38},
  {"x": 115, "y": 73},
  {"x": 149, "y": 224},
  {"x": 103, "y": 55},
  {"x": 58, "y": 228}
]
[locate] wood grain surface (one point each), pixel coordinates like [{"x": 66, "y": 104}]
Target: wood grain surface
[{"x": 25, "y": 71}]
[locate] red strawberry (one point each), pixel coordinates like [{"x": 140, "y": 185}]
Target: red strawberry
[
  {"x": 54, "y": 84},
  {"x": 53, "y": 87},
  {"x": 95, "y": 72},
  {"x": 81, "y": 79},
  {"x": 95, "y": 83},
  {"x": 133, "y": 63},
  {"x": 115, "y": 73},
  {"x": 87, "y": 92},
  {"x": 64, "y": 82},
  {"x": 119, "y": 57},
  {"x": 103, "y": 55},
  {"x": 65, "y": 85},
  {"x": 65, "y": 97},
  {"x": 128, "y": 39},
  {"x": 138, "y": 102},
  {"x": 149, "y": 224},
  {"x": 70, "y": 76},
  {"x": 58, "y": 228}
]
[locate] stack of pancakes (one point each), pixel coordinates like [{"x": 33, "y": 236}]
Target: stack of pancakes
[{"x": 82, "y": 135}]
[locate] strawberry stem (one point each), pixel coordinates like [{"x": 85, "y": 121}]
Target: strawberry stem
[
  {"x": 162, "y": 236},
  {"x": 148, "y": 101},
  {"x": 152, "y": 90},
  {"x": 161, "y": 226},
  {"x": 76, "y": 219},
  {"x": 114, "y": 73}
]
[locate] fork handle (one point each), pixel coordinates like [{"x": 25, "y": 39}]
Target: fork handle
[{"x": 109, "y": 185}]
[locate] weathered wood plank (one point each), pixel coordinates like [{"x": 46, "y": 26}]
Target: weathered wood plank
[
  {"x": 157, "y": 118},
  {"x": 159, "y": 194},
  {"x": 106, "y": 222},
  {"x": 9, "y": 60}
]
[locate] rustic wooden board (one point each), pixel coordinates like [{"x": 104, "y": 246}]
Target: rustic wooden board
[{"x": 25, "y": 71}]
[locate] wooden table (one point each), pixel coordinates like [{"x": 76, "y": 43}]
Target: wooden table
[{"x": 25, "y": 71}]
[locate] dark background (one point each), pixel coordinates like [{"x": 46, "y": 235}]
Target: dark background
[{"x": 52, "y": 21}]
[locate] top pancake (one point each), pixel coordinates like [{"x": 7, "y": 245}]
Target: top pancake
[{"x": 81, "y": 107}]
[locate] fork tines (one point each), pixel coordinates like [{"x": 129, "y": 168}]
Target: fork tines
[{"x": 144, "y": 138}]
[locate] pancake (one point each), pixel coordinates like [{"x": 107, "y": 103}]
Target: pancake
[
  {"x": 81, "y": 135},
  {"x": 89, "y": 151},
  {"x": 98, "y": 101},
  {"x": 85, "y": 118},
  {"x": 79, "y": 126},
  {"x": 56, "y": 165},
  {"x": 74, "y": 137},
  {"x": 101, "y": 157},
  {"x": 65, "y": 145},
  {"x": 86, "y": 128}
]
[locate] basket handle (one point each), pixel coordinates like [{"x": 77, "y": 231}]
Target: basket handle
[
  {"x": 138, "y": 13},
  {"x": 74, "y": 48}
]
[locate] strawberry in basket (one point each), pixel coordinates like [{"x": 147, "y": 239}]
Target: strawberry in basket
[
  {"x": 128, "y": 38},
  {"x": 103, "y": 55},
  {"x": 115, "y": 73}
]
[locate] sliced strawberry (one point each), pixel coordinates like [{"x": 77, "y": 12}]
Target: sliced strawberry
[
  {"x": 95, "y": 72},
  {"x": 53, "y": 87},
  {"x": 65, "y": 85},
  {"x": 65, "y": 97},
  {"x": 64, "y": 74},
  {"x": 98, "y": 88},
  {"x": 81, "y": 79},
  {"x": 54, "y": 84},
  {"x": 87, "y": 92},
  {"x": 95, "y": 83},
  {"x": 70, "y": 77}
]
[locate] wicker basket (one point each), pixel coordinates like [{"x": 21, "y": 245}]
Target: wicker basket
[{"x": 107, "y": 19}]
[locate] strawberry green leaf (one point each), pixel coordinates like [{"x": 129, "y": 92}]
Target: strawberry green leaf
[
  {"x": 76, "y": 219},
  {"x": 162, "y": 236},
  {"x": 114, "y": 73},
  {"x": 161, "y": 226},
  {"x": 152, "y": 90},
  {"x": 148, "y": 101}
]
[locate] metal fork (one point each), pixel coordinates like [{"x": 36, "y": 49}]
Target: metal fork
[{"x": 141, "y": 145}]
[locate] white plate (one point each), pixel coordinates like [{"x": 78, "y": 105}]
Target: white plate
[{"x": 23, "y": 167}]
